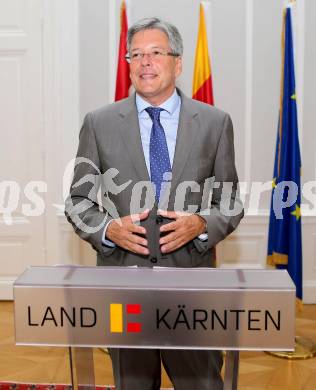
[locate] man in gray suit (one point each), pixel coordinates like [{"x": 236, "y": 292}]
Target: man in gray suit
[{"x": 165, "y": 165}]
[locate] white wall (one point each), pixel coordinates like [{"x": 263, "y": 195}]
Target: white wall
[
  {"x": 79, "y": 58},
  {"x": 94, "y": 53}
]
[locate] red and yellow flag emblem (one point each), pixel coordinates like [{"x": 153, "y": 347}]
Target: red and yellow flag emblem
[{"x": 117, "y": 320}]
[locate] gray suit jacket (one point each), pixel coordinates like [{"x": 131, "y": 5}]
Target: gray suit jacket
[{"x": 110, "y": 157}]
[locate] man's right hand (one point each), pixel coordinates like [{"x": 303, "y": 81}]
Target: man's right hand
[{"x": 125, "y": 233}]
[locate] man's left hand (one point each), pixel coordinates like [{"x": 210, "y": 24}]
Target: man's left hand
[{"x": 183, "y": 229}]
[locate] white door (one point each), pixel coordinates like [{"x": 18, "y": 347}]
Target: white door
[{"x": 22, "y": 234}]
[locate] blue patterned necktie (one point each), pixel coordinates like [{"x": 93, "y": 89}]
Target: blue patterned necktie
[{"x": 158, "y": 150}]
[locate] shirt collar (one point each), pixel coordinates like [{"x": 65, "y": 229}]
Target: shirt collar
[{"x": 170, "y": 105}]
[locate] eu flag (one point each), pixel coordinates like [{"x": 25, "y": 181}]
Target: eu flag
[{"x": 285, "y": 235}]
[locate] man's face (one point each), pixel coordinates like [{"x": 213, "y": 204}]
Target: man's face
[{"x": 153, "y": 79}]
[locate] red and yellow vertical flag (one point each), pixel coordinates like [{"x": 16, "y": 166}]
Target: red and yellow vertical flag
[
  {"x": 123, "y": 81},
  {"x": 202, "y": 79}
]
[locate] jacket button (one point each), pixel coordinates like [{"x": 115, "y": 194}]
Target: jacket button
[
  {"x": 154, "y": 260},
  {"x": 159, "y": 219}
]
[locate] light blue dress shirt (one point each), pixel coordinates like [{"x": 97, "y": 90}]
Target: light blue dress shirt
[{"x": 169, "y": 119}]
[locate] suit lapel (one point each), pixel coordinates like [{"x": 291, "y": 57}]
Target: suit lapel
[
  {"x": 130, "y": 133},
  {"x": 186, "y": 135}
]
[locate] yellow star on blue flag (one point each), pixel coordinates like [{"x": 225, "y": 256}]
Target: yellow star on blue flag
[{"x": 297, "y": 212}]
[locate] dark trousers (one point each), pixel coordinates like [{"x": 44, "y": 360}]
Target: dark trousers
[{"x": 140, "y": 369}]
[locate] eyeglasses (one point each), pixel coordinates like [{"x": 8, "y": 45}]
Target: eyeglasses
[{"x": 154, "y": 55}]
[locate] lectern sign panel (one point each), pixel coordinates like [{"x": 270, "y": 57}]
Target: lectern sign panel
[{"x": 241, "y": 318}]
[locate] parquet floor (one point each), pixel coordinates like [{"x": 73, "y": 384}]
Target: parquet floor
[{"x": 50, "y": 365}]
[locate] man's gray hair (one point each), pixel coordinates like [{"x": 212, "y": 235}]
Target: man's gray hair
[{"x": 175, "y": 39}]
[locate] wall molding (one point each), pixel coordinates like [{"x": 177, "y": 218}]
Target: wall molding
[
  {"x": 113, "y": 16},
  {"x": 309, "y": 292},
  {"x": 6, "y": 287},
  {"x": 61, "y": 106},
  {"x": 248, "y": 88}
]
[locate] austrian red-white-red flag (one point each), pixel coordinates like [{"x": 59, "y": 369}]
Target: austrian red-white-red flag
[{"x": 123, "y": 81}]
